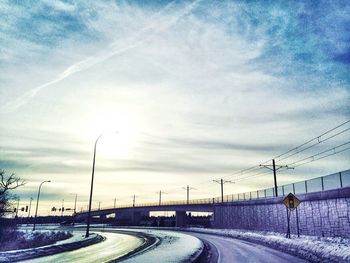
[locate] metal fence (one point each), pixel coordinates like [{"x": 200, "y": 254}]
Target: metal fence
[{"x": 323, "y": 183}]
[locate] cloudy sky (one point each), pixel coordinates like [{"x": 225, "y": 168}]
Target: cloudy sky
[{"x": 197, "y": 90}]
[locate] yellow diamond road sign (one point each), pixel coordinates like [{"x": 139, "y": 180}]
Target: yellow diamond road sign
[{"x": 291, "y": 201}]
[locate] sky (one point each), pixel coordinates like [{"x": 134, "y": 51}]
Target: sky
[{"x": 196, "y": 91}]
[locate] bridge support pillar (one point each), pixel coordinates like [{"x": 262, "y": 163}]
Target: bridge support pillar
[
  {"x": 180, "y": 218},
  {"x": 103, "y": 217},
  {"x": 137, "y": 217}
]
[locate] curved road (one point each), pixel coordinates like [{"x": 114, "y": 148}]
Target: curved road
[
  {"x": 115, "y": 246},
  {"x": 174, "y": 247},
  {"x": 230, "y": 250}
]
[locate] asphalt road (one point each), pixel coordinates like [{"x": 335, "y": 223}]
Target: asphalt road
[
  {"x": 115, "y": 246},
  {"x": 230, "y": 250},
  {"x": 173, "y": 247}
]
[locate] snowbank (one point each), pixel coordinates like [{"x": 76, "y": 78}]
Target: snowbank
[
  {"x": 173, "y": 247},
  {"x": 75, "y": 242},
  {"x": 315, "y": 249}
]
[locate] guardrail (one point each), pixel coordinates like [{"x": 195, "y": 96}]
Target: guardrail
[{"x": 328, "y": 182}]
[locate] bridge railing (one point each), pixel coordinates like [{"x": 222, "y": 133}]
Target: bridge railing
[{"x": 328, "y": 182}]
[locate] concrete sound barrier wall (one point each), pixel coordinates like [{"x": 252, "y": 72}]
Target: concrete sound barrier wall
[{"x": 325, "y": 213}]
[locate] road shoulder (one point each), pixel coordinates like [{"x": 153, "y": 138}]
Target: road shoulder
[{"x": 59, "y": 247}]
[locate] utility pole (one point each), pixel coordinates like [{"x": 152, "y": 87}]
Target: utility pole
[
  {"x": 75, "y": 203},
  {"x": 188, "y": 188},
  {"x": 160, "y": 196},
  {"x": 115, "y": 202},
  {"x": 17, "y": 208},
  {"x": 222, "y": 182},
  {"x": 133, "y": 201},
  {"x": 62, "y": 208},
  {"x": 75, "y": 208},
  {"x": 99, "y": 205},
  {"x": 274, "y": 169}
]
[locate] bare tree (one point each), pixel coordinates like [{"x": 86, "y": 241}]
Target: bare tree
[{"x": 7, "y": 183}]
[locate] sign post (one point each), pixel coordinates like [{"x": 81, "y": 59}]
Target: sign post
[{"x": 291, "y": 202}]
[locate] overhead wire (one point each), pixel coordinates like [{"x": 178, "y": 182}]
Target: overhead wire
[
  {"x": 312, "y": 157},
  {"x": 291, "y": 153},
  {"x": 318, "y": 142},
  {"x": 315, "y": 138}
]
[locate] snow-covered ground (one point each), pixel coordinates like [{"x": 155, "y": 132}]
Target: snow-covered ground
[
  {"x": 15, "y": 255},
  {"x": 76, "y": 236},
  {"x": 173, "y": 247},
  {"x": 315, "y": 249}
]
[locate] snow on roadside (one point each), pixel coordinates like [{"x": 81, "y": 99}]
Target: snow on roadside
[
  {"x": 76, "y": 236},
  {"x": 76, "y": 241},
  {"x": 315, "y": 249},
  {"x": 173, "y": 247}
]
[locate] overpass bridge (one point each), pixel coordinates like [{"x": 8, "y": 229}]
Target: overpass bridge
[
  {"x": 134, "y": 214},
  {"x": 332, "y": 186}
]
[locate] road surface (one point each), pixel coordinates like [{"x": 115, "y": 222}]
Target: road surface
[
  {"x": 173, "y": 247},
  {"x": 230, "y": 250},
  {"x": 116, "y": 245}
]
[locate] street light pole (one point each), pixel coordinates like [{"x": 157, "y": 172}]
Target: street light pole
[
  {"x": 37, "y": 203},
  {"x": 30, "y": 206},
  {"x": 92, "y": 186},
  {"x": 75, "y": 208}
]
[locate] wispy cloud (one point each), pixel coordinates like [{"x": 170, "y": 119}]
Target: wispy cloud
[
  {"x": 155, "y": 25},
  {"x": 203, "y": 88}
]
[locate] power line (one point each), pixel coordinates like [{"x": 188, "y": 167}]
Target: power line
[
  {"x": 324, "y": 156},
  {"x": 251, "y": 176},
  {"x": 318, "y": 142},
  {"x": 312, "y": 157},
  {"x": 316, "y": 138},
  {"x": 244, "y": 171},
  {"x": 304, "y": 159}
]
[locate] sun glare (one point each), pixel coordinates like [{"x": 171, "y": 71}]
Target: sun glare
[{"x": 119, "y": 134}]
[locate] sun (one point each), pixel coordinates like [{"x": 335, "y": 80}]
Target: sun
[{"x": 119, "y": 134}]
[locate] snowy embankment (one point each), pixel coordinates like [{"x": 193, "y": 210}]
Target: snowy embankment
[
  {"x": 172, "y": 247},
  {"x": 314, "y": 249},
  {"x": 76, "y": 241}
]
